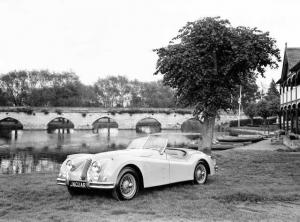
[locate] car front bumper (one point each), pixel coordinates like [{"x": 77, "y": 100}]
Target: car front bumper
[{"x": 93, "y": 185}]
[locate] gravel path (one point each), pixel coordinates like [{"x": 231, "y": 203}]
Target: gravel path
[{"x": 262, "y": 145}]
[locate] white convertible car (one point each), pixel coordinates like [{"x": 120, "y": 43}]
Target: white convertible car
[{"x": 147, "y": 162}]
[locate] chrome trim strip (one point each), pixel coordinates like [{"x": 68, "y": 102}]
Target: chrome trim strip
[
  {"x": 95, "y": 185},
  {"x": 101, "y": 185},
  {"x": 61, "y": 181}
]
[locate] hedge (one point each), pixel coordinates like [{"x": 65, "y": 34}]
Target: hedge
[{"x": 256, "y": 122}]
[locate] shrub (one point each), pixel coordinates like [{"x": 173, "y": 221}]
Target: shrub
[
  {"x": 59, "y": 111},
  {"x": 256, "y": 122},
  {"x": 45, "y": 111},
  {"x": 150, "y": 110},
  {"x": 28, "y": 111}
]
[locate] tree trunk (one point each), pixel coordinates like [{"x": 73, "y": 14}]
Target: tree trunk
[
  {"x": 251, "y": 121},
  {"x": 207, "y": 135},
  {"x": 265, "y": 124}
]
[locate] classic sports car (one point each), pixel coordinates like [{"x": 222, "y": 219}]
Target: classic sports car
[{"x": 147, "y": 162}]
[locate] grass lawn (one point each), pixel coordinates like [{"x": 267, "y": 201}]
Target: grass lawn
[{"x": 250, "y": 185}]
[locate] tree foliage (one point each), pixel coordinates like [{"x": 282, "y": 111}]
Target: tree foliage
[
  {"x": 266, "y": 107},
  {"x": 263, "y": 109},
  {"x": 250, "y": 94},
  {"x": 273, "y": 91},
  {"x": 45, "y": 88},
  {"x": 251, "y": 111},
  {"x": 211, "y": 58},
  {"x": 208, "y": 60}
]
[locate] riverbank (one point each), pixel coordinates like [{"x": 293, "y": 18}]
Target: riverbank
[{"x": 250, "y": 185}]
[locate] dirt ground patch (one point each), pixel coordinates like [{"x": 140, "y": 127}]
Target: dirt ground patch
[{"x": 250, "y": 185}]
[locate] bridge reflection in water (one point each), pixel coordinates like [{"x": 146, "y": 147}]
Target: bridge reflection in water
[
  {"x": 10, "y": 128},
  {"x": 44, "y": 151},
  {"x": 39, "y": 151},
  {"x": 60, "y": 125},
  {"x": 105, "y": 126},
  {"x": 148, "y": 125}
]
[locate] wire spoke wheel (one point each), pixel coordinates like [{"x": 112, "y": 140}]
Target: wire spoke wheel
[
  {"x": 200, "y": 174},
  {"x": 128, "y": 186}
]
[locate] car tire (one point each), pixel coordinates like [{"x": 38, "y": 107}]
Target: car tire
[
  {"x": 127, "y": 185},
  {"x": 200, "y": 173}
]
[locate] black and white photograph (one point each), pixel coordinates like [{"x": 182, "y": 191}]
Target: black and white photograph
[{"x": 149, "y": 110}]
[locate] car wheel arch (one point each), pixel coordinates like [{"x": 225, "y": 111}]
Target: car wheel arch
[
  {"x": 138, "y": 171},
  {"x": 205, "y": 164}
]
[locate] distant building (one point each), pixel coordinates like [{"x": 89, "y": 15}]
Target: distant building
[{"x": 290, "y": 91}]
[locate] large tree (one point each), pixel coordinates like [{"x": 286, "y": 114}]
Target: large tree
[{"x": 208, "y": 60}]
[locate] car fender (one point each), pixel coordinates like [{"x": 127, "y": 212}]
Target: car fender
[
  {"x": 114, "y": 168},
  {"x": 207, "y": 159}
]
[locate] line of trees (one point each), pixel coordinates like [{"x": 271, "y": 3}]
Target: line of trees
[
  {"x": 45, "y": 88},
  {"x": 266, "y": 107}
]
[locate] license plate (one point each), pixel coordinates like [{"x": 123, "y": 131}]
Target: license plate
[{"x": 77, "y": 184}]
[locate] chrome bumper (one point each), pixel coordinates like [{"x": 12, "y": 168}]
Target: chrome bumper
[{"x": 94, "y": 185}]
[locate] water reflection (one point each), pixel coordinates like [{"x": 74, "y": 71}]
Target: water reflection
[
  {"x": 105, "y": 124},
  {"x": 39, "y": 151},
  {"x": 26, "y": 161},
  {"x": 148, "y": 125},
  {"x": 10, "y": 128},
  {"x": 60, "y": 125}
]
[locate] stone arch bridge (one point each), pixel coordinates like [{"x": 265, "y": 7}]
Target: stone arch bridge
[{"x": 37, "y": 118}]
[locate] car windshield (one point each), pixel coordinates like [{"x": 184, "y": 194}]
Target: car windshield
[
  {"x": 137, "y": 143},
  {"x": 151, "y": 142},
  {"x": 155, "y": 142}
]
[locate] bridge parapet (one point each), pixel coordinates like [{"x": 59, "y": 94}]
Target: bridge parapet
[{"x": 37, "y": 118}]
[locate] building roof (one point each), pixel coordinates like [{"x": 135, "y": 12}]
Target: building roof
[
  {"x": 295, "y": 67},
  {"x": 291, "y": 58}
]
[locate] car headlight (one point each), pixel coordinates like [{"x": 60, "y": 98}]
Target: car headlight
[
  {"x": 69, "y": 164},
  {"x": 94, "y": 171},
  {"x": 96, "y": 167}
]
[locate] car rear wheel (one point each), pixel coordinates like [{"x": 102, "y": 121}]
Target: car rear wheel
[
  {"x": 127, "y": 185},
  {"x": 200, "y": 173}
]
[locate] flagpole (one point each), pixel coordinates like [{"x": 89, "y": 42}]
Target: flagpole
[{"x": 240, "y": 102}]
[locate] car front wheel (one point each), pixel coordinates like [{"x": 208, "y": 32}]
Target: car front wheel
[
  {"x": 200, "y": 173},
  {"x": 127, "y": 185}
]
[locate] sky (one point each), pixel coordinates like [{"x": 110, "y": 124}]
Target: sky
[{"x": 98, "y": 38}]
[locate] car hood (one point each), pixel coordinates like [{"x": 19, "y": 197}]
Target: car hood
[
  {"x": 113, "y": 154},
  {"x": 129, "y": 152}
]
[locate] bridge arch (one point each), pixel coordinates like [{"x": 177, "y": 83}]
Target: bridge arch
[
  {"x": 9, "y": 128},
  {"x": 104, "y": 123},
  {"x": 148, "y": 125},
  {"x": 60, "y": 124},
  {"x": 10, "y": 123}
]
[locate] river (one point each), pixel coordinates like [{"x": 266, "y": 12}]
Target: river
[{"x": 40, "y": 151}]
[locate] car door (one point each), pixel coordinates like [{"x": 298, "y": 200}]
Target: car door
[
  {"x": 155, "y": 169},
  {"x": 181, "y": 169}
]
